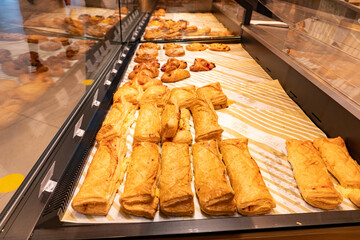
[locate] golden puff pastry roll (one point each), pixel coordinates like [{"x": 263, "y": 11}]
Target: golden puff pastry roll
[
  {"x": 158, "y": 94},
  {"x": 338, "y": 161},
  {"x": 216, "y": 197},
  {"x": 215, "y": 94},
  {"x": 354, "y": 196},
  {"x": 175, "y": 75},
  {"x": 170, "y": 121},
  {"x": 311, "y": 175},
  {"x": 251, "y": 194},
  {"x": 184, "y": 97},
  {"x": 139, "y": 197},
  {"x": 183, "y": 134},
  {"x": 129, "y": 93},
  {"x": 148, "y": 124},
  {"x": 176, "y": 196},
  {"x": 116, "y": 123},
  {"x": 205, "y": 120},
  {"x": 102, "y": 179},
  {"x": 144, "y": 82}
]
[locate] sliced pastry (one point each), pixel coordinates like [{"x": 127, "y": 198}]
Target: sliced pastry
[{"x": 183, "y": 134}]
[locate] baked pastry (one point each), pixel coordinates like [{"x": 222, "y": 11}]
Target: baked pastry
[
  {"x": 171, "y": 45},
  {"x": 102, "y": 179},
  {"x": 215, "y": 94},
  {"x": 153, "y": 34},
  {"x": 116, "y": 123},
  {"x": 172, "y": 64},
  {"x": 158, "y": 94},
  {"x": 127, "y": 93},
  {"x": 124, "y": 10},
  {"x": 213, "y": 189},
  {"x": 220, "y": 33},
  {"x": 183, "y": 134},
  {"x": 176, "y": 196},
  {"x": 160, "y": 12},
  {"x": 49, "y": 45},
  {"x": 175, "y": 52},
  {"x": 311, "y": 175},
  {"x": 5, "y": 55},
  {"x": 35, "y": 38},
  {"x": 13, "y": 68},
  {"x": 205, "y": 120},
  {"x": 63, "y": 40},
  {"x": 33, "y": 90},
  {"x": 199, "y": 32},
  {"x": 75, "y": 27},
  {"x": 201, "y": 64},
  {"x": 172, "y": 35},
  {"x": 175, "y": 75},
  {"x": 169, "y": 121},
  {"x": 148, "y": 68},
  {"x": 196, "y": 47},
  {"x": 338, "y": 161},
  {"x": 139, "y": 197},
  {"x": 191, "y": 29},
  {"x": 252, "y": 197},
  {"x": 354, "y": 196},
  {"x": 148, "y": 124},
  {"x": 220, "y": 47},
  {"x": 150, "y": 45},
  {"x": 183, "y": 96},
  {"x": 144, "y": 82}
]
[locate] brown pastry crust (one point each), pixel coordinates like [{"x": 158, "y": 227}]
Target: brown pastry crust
[
  {"x": 184, "y": 97},
  {"x": 252, "y": 197},
  {"x": 160, "y": 12},
  {"x": 215, "y": 94},
  {"x": 49, "y": 45},
  {"x": 191, "y": 29},
  {"x": 213, "y": 189},
  {"x": 220, "y": 33},
  {"x": 139, "y": 196},
  {"x": 171, "y": 45},
  {"x": 183, "y": 134},
  {"x": 5, "y": 55},
  {"x": 220, "y": 47},
  {"x": 201, "y": 64},
  {"x": 175, "y": 75},
  {"x": 150, "y": 45},
  {"x": 205, "y": 120},
  {"x": 12, "y": 68},
  {"x": 311, "y": 175},
  {"x": 148, "y": 124},
  {"x": 176, "y": 196},
  {"x": 158, "y": 95},
  {"x": 128, "y": 93},
  {"x": 144, "y": 82},
  {"x": 174, "y": 35},
  {"x": 196, "y": 47},
  {"x": 172, "y": 64},
  {"x": 102, "y": 179},
  {"x": 35, "y": 38},
  {"x": 153, "y": 34},
  {"x": 338, "y": 161},
  {"x": 199, "y": 32},
  {"x": 175, "y": 52},
  {"x": 169, "y": 121}
]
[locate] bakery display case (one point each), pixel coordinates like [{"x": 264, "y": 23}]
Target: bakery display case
[{"x": 144, "y": 104}]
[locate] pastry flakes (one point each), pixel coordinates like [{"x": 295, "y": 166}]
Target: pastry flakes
[
  {"x": 183, "y": 134},
  {"x": 311, "y": 175},
  {"x": 213, "y": 189},
  {"x": 158, "y": 94},
  {"x": 169, "y": 121},
  {"x": 215, "y": 94},
  {"x": 176, "y": 196},
  {"x": 148, "y": 124},
  {"x": 251, "y": 194},
  {"x": 183, "y": 96}
]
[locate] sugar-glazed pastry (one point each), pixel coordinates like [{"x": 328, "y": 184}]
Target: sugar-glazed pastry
[
  {"x": 220, "y": 47},
  {"x": 201, "y": 64},
  {"x": 150, "y": 45},
  {"x": 171, "y": 45},
  {"x": 172, "y": 64},
  {"x": 175, "y": 52},
  {"x": 196, "y": 47},
  {"x": 175, "y": 75}
]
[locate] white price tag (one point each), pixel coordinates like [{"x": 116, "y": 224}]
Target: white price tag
[{"x": 77, "y": 130}]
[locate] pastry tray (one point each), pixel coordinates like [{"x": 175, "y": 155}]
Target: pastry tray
[{"x": 261, "y": 111}]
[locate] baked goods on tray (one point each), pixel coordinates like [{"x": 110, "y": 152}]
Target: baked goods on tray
[
  {"x": 205, "y": 120},
  {"x": 139, "y": 197},
  {"x": 175, "y": 75},
  {"x": 144, "y": 82},
  {"x": 148, "y": 68},
  {"x": 251, "y": 194},
  {"x": 172, "y": 64},
  {"x": 215, "y": 94},
  {"x": 176, "y": 196},
  {"x": 216, "y": 197},
  {"x": 148, "y": 124},
  {"x": 311, "y": 175},
  {"x": 183, "y": 134},
  {"x": 169, "y": 121},
  {"x": 175, "y": 52},
  {"x": 196, "y": 47},
  {"x": 98, "y": 190},
  {"x": 183, "y": 96},
  {"x": 201, "y": 64},
  {"x": 220, "y": 47},
  {"x": 158, "y": 94},
  {"x": 150, "y": 45}
]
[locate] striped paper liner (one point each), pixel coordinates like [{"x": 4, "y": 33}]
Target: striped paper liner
[{"x": 261, "y": 111}]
